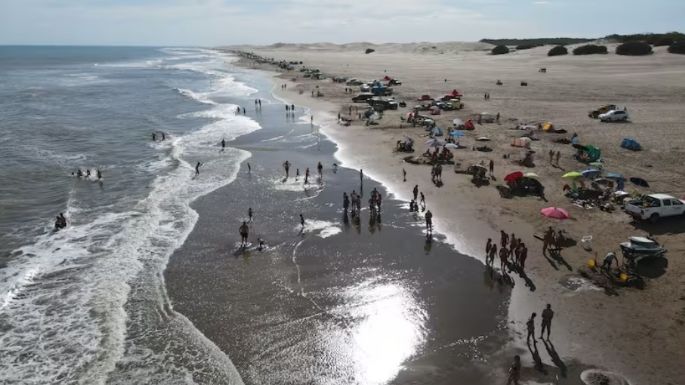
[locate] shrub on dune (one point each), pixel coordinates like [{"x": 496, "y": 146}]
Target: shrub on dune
[
  {"x": 500, "y": 50},
  {"x": 677, "y": 47},
  {"x": 558, "y": 51},
  {"x": 590, "y": 49},
  {"x": 634, "y": 48}
]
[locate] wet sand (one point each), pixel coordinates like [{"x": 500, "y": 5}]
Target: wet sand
[{"x": 361, "y": 302}]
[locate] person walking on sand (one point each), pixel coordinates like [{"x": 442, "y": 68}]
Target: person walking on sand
[
  {"x": 429, "y": 222},
  {"x": 244, "y": 111},
  {"x": 504, "y": 238},
  {"x": 557, "y": 157},
  {"x": 547, "y": 240},
  {"x": 286, "y": 166},
  {"x": 503, "y": 255},
  {"x": 492, "y": 167},
  {"x": 514, "y": 371},
  {"x": 416, "y": 192},
  {"x": 491, "y": 256},
  {"x": 523, "y": 254},
  {"x": 319, "y": 168},
  {"x": 530, "y": 325},
  {"x": 547, "y": 316},
  {"x": 197, "y": 168},
  {"x": 404, "y": 175},
  {"x": 244, "y": 230},
  {"x": 423, "y": 201},
  {"x": 551, "y": 156},
  {"x": 249, "y": 214}
]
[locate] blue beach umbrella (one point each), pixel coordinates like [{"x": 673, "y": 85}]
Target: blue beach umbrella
[
  {"x": 590, "y": 173},
  {"x": 457, "y": 133},
  {"x": 615, "y": 175}
]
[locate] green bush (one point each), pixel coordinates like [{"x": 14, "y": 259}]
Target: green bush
[
  {"x": 527, "y": 46},
  {"x": 500, "y": 50},
  {"x": 677, "y": 47},
  {"x": 590, "y": 49},
  {"x": 558, "y": 51},
  {"x": 662, "y": 42},
  {"x": 634, "y": 48}
]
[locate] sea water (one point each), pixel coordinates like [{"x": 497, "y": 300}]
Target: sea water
[{"x": 87, "y": 304}]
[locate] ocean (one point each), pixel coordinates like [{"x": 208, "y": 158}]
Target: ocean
[
  {"x": 70, "y": 300},
  {"x": 148, "y": 283}
]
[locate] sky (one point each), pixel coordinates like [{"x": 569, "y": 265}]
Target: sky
[{"x": 225, "y": 22}]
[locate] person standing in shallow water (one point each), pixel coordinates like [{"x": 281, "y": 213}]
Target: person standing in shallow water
[
  {"x": 197, "y": 168},
  {"x": 244, "y": 232},
  {"x": 416, "y": 192},
  {"x": 319, "y": 168},
  {"x": 286, "y": 166},
  {"x": 302, "y": 220},
  {"x": 346, "y": 202},
  {"x": 306, "y": 176},
  {"x": 249, "y": 214},
  {"x": 429, "y": 222}
]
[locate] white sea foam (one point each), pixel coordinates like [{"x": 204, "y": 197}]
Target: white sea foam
[{"x": 323, "y": 229}]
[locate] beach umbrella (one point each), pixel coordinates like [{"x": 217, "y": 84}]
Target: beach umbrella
[
  {"x": 615, "y": 175},
  {"x": 531, "y": 175},
  {"x": 639, "y": 182},
  {"x": 572, "y": 175},
  {"x": 451, "y": 145},
  {"x": 514, "y": 176},
  {"x": 555, "y": 213},
  {"x": 457, "y": 133},
  {"x": 590, "y": 173}
]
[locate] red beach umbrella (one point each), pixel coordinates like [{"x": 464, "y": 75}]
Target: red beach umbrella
[
  {"x": 555, "y": 212},
  {"x": 513, "y": 177}
]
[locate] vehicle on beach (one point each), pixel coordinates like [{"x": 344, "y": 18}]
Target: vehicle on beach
[
  {"x": 594, "y": 114},
  {"x": 614, "y": 116},
  {"x": 354, "y": 82},
  {"x": 382, "y": 104},
  {"x": 424, "y": 98},
  {"x": 638, "y": 248},
  {"x": 363, "y": 97},
  {"x": 655, "y": 206}
]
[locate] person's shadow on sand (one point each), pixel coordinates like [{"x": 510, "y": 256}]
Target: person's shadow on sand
[
  {"x": 555, "y": 357},
  {"x": 539, "y": 366}
]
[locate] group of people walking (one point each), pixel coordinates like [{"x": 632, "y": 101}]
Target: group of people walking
[{"x": 512, "y": 250}]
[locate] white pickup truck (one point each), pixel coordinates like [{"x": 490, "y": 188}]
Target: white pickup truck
[{"x": 654, "y": 206}]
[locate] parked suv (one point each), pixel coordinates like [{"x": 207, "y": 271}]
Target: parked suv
[{"x": 614, "y": 116}]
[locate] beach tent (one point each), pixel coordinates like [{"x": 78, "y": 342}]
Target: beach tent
[
  {"x": 457, "y": 133},
  {"x": 587, "y": 153},
  {"x": 631, "y": 144},
  {"x": 639, "y": 182},
  {"x": 469, "y": 125},
  {"x": 547, "y": 126},
  {"x": 523, "y": 142},
  {"x": 436, "y": 131},
  {"x": 458, "y": 122}
]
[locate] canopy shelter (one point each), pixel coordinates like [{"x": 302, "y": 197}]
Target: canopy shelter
[{"x": 587, "y": 153}]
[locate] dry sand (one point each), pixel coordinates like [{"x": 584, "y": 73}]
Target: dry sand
[{"x": 638, "y": 333}]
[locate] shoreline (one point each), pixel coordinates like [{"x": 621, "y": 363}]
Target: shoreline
[
  {"x": 373, "y": 302},
  {"x": 594, "y": 349}
]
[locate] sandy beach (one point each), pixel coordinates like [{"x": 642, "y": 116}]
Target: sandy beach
[{"x": 637, "y": 333}]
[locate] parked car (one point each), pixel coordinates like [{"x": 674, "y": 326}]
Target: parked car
[
  {"x": 354, "y": 82},
  {"x": 382, "y": 104},
  {"x": 614, "y": 116},
  {"x": 601, "y": 110},
  {"x": 363, "y": 97},
  {"x": 424, "y": 98},
  {"x": 654, "y": 206}
]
